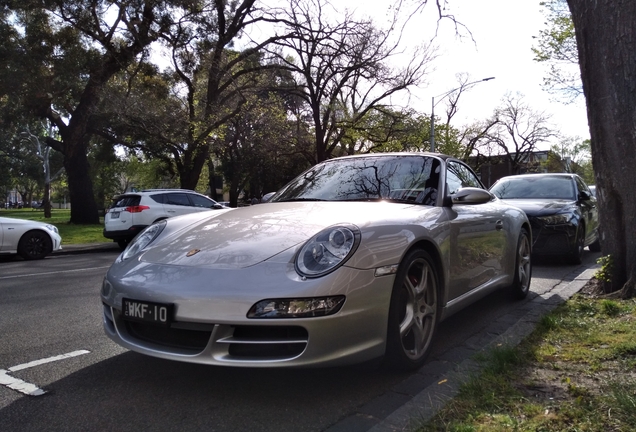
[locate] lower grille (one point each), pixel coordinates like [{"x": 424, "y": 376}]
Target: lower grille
[
  {"x": 552, "y": 243},
  {"x": 191, "y": 340},
  {"x": 267, "y": 342}
]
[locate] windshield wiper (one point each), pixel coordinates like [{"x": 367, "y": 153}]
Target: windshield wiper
[{"x": 300, "y": 199}]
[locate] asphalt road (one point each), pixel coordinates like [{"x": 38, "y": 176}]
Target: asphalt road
[{"x": 51, "y": 308}]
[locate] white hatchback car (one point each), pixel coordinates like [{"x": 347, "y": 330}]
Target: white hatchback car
[
  {"x": 133, "y": 211},
  {"x": 29, "y": 239}
]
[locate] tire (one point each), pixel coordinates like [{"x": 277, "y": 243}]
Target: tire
[
  {"x": 35, "y": 245},
  {"x": 596, "y": 246},
  {"x": 414, "y": 312},
  {"x": 576, "y": 254},
  {"x": 523, "y": 266}
]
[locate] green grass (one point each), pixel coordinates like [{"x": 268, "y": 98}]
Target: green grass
[
  {"x": 576, "y": 372},
  {"x": 71, "y": 233}
]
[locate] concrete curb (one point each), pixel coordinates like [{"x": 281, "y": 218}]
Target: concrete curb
[
  {"x": 87, "y": 248},
  {"x": 441, "y": 379}
]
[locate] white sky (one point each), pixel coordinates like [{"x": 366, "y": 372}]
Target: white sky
[{"x": 503, "y": 33}]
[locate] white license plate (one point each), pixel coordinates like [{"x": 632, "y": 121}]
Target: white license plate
[
  {"x": 114, "y": 215},
  {"x": 148, "y": 312}
]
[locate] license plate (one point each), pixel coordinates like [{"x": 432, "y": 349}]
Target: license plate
[
  {"x": 114, "y": 215},
  {"x": 148, "y": 312}
]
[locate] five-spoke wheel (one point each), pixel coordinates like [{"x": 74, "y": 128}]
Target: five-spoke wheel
[
  {"x": 414, "y": 311},
  {"x": 523, "y": 266}
]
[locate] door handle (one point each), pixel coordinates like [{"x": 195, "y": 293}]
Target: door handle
[{"x": 499, "y": 225}]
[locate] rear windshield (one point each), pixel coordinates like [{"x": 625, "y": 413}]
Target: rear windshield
[{"x": 126, "y": 201}]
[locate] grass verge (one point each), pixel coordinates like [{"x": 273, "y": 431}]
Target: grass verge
[
  {"x": 575, "y": 372},
  {"x": 71, "y": 233}
]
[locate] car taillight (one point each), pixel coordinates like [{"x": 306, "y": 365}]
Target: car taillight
[{"x": 136, "y": 209}]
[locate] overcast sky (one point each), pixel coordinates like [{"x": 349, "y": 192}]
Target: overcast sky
[{"x": 503, "y": 33}]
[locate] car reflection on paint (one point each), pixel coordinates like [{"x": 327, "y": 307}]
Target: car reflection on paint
[{"x": 358, "y": 258}]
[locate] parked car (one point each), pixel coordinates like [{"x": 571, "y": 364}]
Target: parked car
[
  {"x": 356, "y": 259},
  {"x": 30, "y": 239},
  {"x": 561, "y": 209},
  {"x": 132, "y": 212}
]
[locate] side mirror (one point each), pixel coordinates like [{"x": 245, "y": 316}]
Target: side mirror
[
  {"x": 584, "y": 196},
  {"x": 217, "y": 206},
  {"x": 471, "y": 195}
]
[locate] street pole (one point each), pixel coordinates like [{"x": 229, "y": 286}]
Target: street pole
[
  {"x": 432, "y": 124},
  {"x": 441, "y": 97}
]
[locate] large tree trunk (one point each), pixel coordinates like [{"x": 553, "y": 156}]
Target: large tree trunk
[
  {"x": 80, "y": 185},
  {"x": 190, "y": 170},
  {"x": 606, "y": 39},
  {"x": 46, "y": 201}
]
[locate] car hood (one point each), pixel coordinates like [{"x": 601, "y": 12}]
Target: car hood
[
  {"x": 23, "y": 223},
  {"x": 246, "y": 236},
  {"x": 541, "y": 207}
]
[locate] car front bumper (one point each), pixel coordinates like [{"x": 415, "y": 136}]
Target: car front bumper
[
  {"x": 553, "y": 239},
  {"x": 210, "y": 323}
]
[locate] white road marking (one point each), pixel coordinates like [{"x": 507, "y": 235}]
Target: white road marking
[
  {"x": 55, "y": 272},
  {"x": 28, "y": 388},
  {"x": 47, "y": 360},
  {"x": 19, "y": 385}
]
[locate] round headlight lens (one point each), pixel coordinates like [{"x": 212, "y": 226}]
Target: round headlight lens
[
  {"x": 327, "y": 251},
  {"x": 143, "y": 239}
]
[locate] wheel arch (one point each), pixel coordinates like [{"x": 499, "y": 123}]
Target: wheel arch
[
  {"x": 20, "y": 247},
  {"x": 34, "y": 230}
]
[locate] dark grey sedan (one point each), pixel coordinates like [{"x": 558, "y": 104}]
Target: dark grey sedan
[{"x": 561, "y": 208}]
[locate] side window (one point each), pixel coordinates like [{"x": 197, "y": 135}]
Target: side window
[
  {"x": 180, "y": 199},
  {"x": 459, "y": 176},
  {"x": 127, "y": 201},
  {"x": 581, "y": 186},
  {"x": 159, "y": 198},
  {"x": 199, "y": 201}
]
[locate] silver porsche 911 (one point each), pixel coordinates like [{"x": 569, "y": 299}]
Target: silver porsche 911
[{"x": 359, "y": 258}]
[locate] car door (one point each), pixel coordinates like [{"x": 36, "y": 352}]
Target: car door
[
  {"x": 201, "y": 203},
  {"x": 478, "y": 235},
  {"x": 10, "y": 233},
  {"x": 177, "y": 203}
]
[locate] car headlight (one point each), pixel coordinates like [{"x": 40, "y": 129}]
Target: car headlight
[
  {"x": 143, "y": 239},
  {"x": 327, "y": 250},
  {"x": 52, "y": 228},
  {"x": 296, "y": 308},
  {"x": 557, "y": 219}
]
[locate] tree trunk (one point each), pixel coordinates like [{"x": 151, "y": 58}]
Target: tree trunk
[
  {"x": 80, "y": 185},
  {"x": 606, "y": 38},
  {"x": 46, "y": 201}
]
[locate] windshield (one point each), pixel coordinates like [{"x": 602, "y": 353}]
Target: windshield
[
  {"x": 412, "y": 179},
  {"x": 540, "y": 187}
]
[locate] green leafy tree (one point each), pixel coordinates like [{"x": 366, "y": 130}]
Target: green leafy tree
[
  {"x": 176, "y": 114},
  {"x": 556, "y": 47},
  {"x": 572, "y": 154},
  {"x": 62, "y": 54},
  {"x": 254, "y": 149}
]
